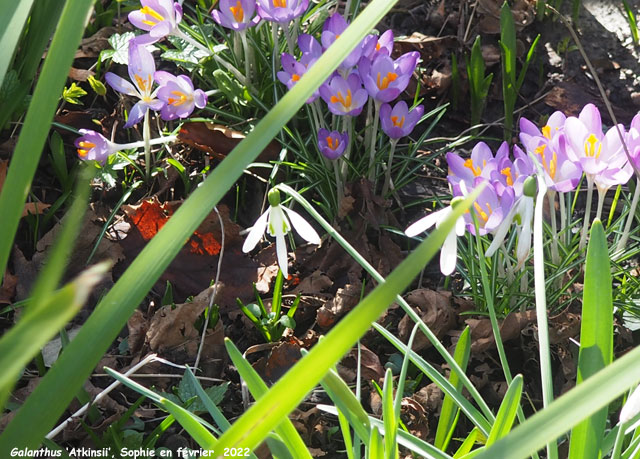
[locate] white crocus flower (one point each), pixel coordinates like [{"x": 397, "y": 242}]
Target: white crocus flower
[
  {"x": 277, "y": 221},
  {"x": 449, "y": 250}
]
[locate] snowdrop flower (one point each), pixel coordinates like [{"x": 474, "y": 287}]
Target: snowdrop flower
[
  {"x": 277, "y": 221},
  {"x": 631, "y": 408},
  {"x": 449, "y": 250}
]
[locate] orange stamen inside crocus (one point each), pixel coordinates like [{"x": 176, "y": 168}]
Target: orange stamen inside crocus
[
  {"x": 469, "y": 165},
  {"x": 550, "y": 166},
  {"x": 396, "y": 122},
  {"x": 507, "y": 173},
  {"x": 480, "y": 211},
  {"x": 383, "y": 83},
  {"x": 295, "y": 77},
  {"x": 182, "y": 98},
  {"x": 280, "y": 3},
  {"x": 153, "y": 13},
  {"x": 143, "y": 85},
  {"x": 86, "y": 146},
  {"x": 333, "y": 143},
  {"x": 346, "y": 103},
  {"x": 237, "y": 11},
  {"x": 546, "y": 131}
]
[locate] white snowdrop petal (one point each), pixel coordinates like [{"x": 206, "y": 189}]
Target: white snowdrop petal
[
  {"x": 281, "y": 252},
  {"x": 256, "y": 232},
  {"x": 460, "y": 226},
  {"x": 632, "y": 407},
  {"x": 448, "y": 254},
  {"x": 302, "y": 227},
  {"x": 427, "y": 222}
]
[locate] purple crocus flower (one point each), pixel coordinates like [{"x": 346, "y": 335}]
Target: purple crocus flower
[
  {"x": 332, "y": 144},
  {"x": 385, "y": 78},
  {"x": 178, "y": 94},
  {"x": 481, "y": 163},
  {"x": 399, "y": 121},
  {"x": 504, "y": 172},
  {"x": 292, "y": 70},
  {"x": 236, "y": 14},
  {"x": 311, "y": 49},
  {"x": 555, "y": 125},
  {"x": 159, "y": 17},
  {"x": 333, "y": 27},
  {"x": 344, "y": 97},
  {"x": 94, "y": 146},
  {"x": 281, "y": 11},
  {"x": 382, "y": 45},
  {"x": 587, "y": 143},
  {"x": 490, "y": 207},
  {"x": 141, "y": 69}
]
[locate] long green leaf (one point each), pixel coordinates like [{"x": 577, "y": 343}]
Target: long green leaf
[
  {"x": 448, "y": 412},
  {"x": 258, "y": 389},
  {"x": 376, "y": 447},
  {"x": 568, "y": 410},
  {"x": 596, "y": 339},
  {"x": 388, "y": 416},
  {"x": 26, "y": 338},
  {"x": 37, "y": 415},
  {"x": 39, "y": 115},
  {"x": 14, "y": 16},
  {"x": 507, "y": 411},
  {"x": 251, "y": 428}
]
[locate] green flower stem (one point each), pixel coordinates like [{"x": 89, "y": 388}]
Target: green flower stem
[
  {"x": 601, "y": 195},
  {"x": 347, "y": 125},
  {"x": 287, "y": 34},
  {"x": 617, "y": 446},
  {"x": 541, "y": 307},
  {"x": 563, "y": 217},
  {"x": 347, "y": 9},
  {"x": 403, "y": 304},
  {"x": 247, "y": 57},
  {"x": 387, "y": 175},
  {"x": 587, "y": 213},
  {"x": 374, "y": 137},
  {"x": 146, "y": 136},
  {"x": 630, "y": 218},
  {"x": 555, "y": 255},
  {"x": 339, "y": 187}
]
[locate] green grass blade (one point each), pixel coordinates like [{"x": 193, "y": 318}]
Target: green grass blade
[
  {"x": 251, "y": 428},
  {"x": 446, "y": 420},
  {"x": 193, "y": 424},
  {"x": 596, "y": 339},
  {"x": 259, "y": 389},
  {"x": 34, "y": 330},
  {"x": 211, "y": 407},
  {"x": 507, "y": 411},
  {"x": 568, "y": 410},
  {"x": 37, "y": 415},
  {"x": 467, "y": 408},
  {"x": 37, "y": 121},
  {"x": 467, "y": 444},
  {"x": 376, "y": 447},
  {"x": 388, "y": 416},
  {"x": 12, "y": 20}
]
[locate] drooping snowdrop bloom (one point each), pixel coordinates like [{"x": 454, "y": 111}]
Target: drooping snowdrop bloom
[
  {"x": 236, "y": 14},
  {"x": 449, "y": 250},
  {"x": 332, "y": 144},
  {"x": 631, "y": 408},
  {"x": 141, "y": 69},
  {"x": 178, "y": 94},
  {"x": 384, "y": 78},
  {"x": 399, "y": 121},
  {"x": 344, "y": 97},
  {"x": 94, "y": 146},
  {"x": 281, "y": 11},
  {"x": 277, "y": 221},
  {"x": 158, "y": 17}
]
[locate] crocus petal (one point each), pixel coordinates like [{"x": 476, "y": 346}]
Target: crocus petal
[
  {"x": 120, "y": 84},
  {"x": 136, "y": 114},
  {"x": 304, "y": 229},
  {"x": 257, "y": 230}
]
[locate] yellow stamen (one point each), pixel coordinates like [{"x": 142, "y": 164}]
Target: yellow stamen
[
  {"x": 153, "y": 13},
  {"x": 143, "y": 85},
  {"x": 88, "y": 145},
  {"x": 396, "y": 123},
  {"x": 483, "y": 215},
  {"x": 237, "y": 11},
  {"x": 378, "y": 46},
  {"x": 384, "y": 83},
  {"x": 469, "y": 165},
  {"x": 182, "y": 98},
  {"x": 295, "y": 77},
  {"x": 280, "y": 3},
  {"x": 592, "y": 146},
  {"x": 553, "y": 166},
  {"x": 333, "y": 143},
  {"x": 546, "y": 131},
  {"x": 507, "y": 173}
]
